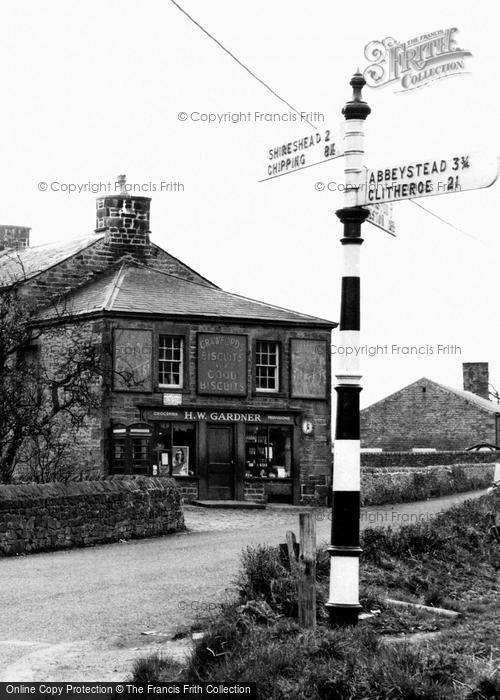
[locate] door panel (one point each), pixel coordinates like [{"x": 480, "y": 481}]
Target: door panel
[{"x": 220, "y": 462}]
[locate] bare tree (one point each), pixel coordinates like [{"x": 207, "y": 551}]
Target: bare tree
[{"x": 53, "y": 376}]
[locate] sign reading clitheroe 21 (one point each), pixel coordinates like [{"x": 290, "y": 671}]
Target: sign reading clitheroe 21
[{"x": 461, "y": 171}]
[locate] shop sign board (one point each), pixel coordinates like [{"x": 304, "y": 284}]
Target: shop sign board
[
  {"x": 218, "y": 415},
  {"x": 309, "y": 368},
  {"x": 222, "y": 364},
  {"x": 132, "y": 360}
]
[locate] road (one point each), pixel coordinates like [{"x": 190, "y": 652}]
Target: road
[{"x": 81, "y": 615}]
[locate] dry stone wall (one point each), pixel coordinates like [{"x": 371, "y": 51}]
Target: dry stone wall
[{"x": 42, "y": 517}]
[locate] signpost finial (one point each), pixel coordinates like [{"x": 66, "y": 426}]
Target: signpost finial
[{"x": 357, "y": 107}]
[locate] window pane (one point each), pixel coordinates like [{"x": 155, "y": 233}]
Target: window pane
[
  {"x": 266, "y": 365},
  {"x": 170, "y": 360},
  {"x": 140, "y": 455},
  {"x": 280, "y": 439},
  {"x": 183, "y": 449},
  {"x": 119, "y": 455},
  {"x": 268, "y": 452}
]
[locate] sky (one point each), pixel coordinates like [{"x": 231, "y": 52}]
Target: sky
[{"x": 92, "y": 90}]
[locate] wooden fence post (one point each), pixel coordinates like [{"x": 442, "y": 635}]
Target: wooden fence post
[{"x": 307, "y": 571}]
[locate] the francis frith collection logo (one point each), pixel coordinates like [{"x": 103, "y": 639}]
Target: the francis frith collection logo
[{"x": 414, "y": 63}]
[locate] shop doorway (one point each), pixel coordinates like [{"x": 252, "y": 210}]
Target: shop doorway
[{"x": 221, "y": 470}]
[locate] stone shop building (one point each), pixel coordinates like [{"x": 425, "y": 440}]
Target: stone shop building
[{"x": 228, "y": 395}]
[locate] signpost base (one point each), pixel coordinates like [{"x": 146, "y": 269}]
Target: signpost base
[{"x": 343, "y": 615}]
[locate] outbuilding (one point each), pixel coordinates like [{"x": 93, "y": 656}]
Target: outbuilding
[{"x": 428, "y": 415}]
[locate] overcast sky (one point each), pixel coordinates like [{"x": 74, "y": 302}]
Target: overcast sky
[{"x": 93, "y": 89}]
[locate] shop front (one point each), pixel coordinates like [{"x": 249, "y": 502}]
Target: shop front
[{"x": 215, "y": 453}]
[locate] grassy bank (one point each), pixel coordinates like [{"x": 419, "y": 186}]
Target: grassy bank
[{"x": 451, "y": 561}]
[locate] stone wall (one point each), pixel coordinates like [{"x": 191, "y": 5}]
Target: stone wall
[
  {"x": 426, "y": 459},
  {"x": 395, "y": 484},
  {"x": 42, "y": 517},
  {"x": 254, "y": 491},
  {"x": 188, "y": 489},
  {"x": 59, "y": 349}
]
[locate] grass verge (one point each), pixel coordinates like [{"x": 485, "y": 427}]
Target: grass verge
[{"x": 452, "y": 561}]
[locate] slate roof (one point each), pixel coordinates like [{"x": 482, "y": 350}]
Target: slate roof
[
  {"x": 484, "y": 404},
  {"x": 135, "y": 288},
  {"x": 29, "y": 262}
]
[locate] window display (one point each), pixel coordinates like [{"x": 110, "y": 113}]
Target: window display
[
  {"x": 175, "y": 448},
  {"x": 268, "y": 452}
]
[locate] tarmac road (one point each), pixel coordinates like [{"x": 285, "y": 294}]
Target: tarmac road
[{"x": 81, "y": 615}]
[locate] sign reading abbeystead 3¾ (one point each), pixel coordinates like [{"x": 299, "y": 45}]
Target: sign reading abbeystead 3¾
[{"x": 463, "y": 170}]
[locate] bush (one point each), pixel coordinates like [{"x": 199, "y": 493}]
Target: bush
[
  {"x": 263, "y": 576},
  {"x": 380, "y": 487}
]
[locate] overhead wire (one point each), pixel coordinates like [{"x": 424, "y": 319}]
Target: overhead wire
[{"x": 282, "y": 99}]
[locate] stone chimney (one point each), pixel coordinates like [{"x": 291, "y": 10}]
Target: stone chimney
[
  {"x": 14, "y": 237},
  {"x": 124, "y": 218},
  {"x": 476, "y": 378}
]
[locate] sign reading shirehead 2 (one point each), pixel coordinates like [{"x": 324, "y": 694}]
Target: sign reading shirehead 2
[
  {"x": 310, "y": 149},
  {"x": 461, "y": 171}
]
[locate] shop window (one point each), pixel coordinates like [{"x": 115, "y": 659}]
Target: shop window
[
  {"x": 266, "y": 365},
  {"x": 268, "y": 452},
  {"x": 131, "y": 449},
  {"x": 175, "y": 449},
  {"x": 170, "y": 361}
]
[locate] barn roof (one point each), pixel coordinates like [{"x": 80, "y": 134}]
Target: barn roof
[{"x": 484, "y": 404}]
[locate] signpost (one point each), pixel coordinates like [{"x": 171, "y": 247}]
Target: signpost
[
  {"x": 381, "y": 217},
  {"x": 310, "y": 149},
  {"x": 368, "y": 197},
  {"x": 462, "y": 170},
  {"x": 343, "y": 600}
]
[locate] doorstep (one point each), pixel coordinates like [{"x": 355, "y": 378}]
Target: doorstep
[{"x": 234, "y": 505}]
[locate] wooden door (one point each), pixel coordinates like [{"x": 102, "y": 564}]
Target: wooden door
[{"x": 220, "y": 476}]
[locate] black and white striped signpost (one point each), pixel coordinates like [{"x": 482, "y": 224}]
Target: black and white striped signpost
[
  {"x": 443, "y": 174},
  {"x": 343, "y": 603}
]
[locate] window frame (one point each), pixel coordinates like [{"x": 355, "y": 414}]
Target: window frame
[
  {"x": 182, "y": 365},
  {"x": 265, "y": 431},
  {"x": 278, "y": 367},
  {"x": 126, "y": 435},
  {"x": 192, "y": 458}
]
